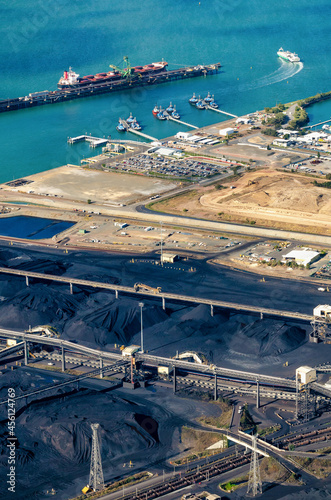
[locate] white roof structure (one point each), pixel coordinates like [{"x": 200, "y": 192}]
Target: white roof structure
[
  {"x": 322, "y": 310},
  {"x": 305, "y": 374},
  {"x": 303, "y": 257},
  {"x": 312, "y": 137},
  {"x": 284, "y": 131},
  {"x": 130, "y": 350},
  {"x": 166, "y": 151},
  {"x": 183, "y": 135},
  {"x": 226, "y": 131}
]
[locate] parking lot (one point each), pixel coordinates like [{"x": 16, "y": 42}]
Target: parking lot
[{"x": 151, "y": 165}]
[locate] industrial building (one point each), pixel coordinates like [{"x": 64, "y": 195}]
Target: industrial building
[
  {"x": 305, "y": 375},
  {"x": 301, "y": 257},
  {"x": 226, "y": 131},
  {"x": 322, "y": 311},
  {"x": 169, "y": 257},
  {"x": 283, "y": 142},
  {"x": 130, "y": 350}
]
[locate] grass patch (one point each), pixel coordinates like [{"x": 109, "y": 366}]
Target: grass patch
[
  {"x": 197, "y": 442},
  {"x": 246, "y": 420},
  {"x": 222, "y": 421},
  {"x": 319, "y": 467},
  {"x": 269, "y": 430},
  {"x": 233, "y": 485},
  {"x": 271, "y": 471},
  {"x": 136, "y": 478}
]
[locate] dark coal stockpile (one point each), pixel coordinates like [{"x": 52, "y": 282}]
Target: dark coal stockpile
[
  {"x": 98, "y": 319},
  {"x": 54, "y": 436}
]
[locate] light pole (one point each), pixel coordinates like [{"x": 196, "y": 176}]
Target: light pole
[
  {"x": 141, "y": 305},
  {"x": 161, "y": 244}
]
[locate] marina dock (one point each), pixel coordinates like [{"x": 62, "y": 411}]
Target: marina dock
[
  {"x": 220, "y": 111},
  {"x": 68, "y": 94}
]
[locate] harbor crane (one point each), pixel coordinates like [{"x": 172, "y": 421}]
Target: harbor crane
[{"x": 125, "y": 72}]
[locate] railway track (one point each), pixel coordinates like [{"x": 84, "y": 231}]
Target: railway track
[
  {"x": 193, "y": 476},
  {"x": 305, "y": 438}
]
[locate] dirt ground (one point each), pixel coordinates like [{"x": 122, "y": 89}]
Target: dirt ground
[
  {"x": 264, "y": 197},
  {"x": 80, "y": 184}
]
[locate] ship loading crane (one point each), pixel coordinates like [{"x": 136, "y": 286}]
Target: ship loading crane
[{"x": 126, "y": 72}]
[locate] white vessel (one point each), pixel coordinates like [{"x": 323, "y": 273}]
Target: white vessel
[{"x": 288, "y": 56}]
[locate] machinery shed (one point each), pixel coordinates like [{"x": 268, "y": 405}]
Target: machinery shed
[
  {"x": 169, "y": 257},
  {"x": 301, "y": 257}
]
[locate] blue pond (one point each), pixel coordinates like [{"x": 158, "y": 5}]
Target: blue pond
[{"x": 32, "y": 228}]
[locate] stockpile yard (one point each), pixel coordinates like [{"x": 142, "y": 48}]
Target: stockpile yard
[{"x": 54, "y": 431}]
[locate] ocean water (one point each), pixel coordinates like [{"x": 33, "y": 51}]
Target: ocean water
[{"x": 41, "y": 39}]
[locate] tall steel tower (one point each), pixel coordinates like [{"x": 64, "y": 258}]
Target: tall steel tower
[
  {"x": 96, "y": 474},
  {"x": 254, "y": 481}
]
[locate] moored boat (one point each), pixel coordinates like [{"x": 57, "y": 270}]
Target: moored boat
[
  {"x": 193, "y": 99},
  {"x": 170, "y": 108},
  {"x": 161, "y": 115},
  {"x": 156, "y": 110},
  {"x": 208, "y": 98},
  {"x": 70, "y": 79},
  {"x": 200, "y": 104},
  {"x": 130, "y": 119},
  {"x": 120, "y": 127},
  {"x": 213, "y": 104},
  {"x": 175, "y": 114},
  {"x": 135, "y": 125}
]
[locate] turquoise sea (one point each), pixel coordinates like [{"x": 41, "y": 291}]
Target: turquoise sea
[{"x": 41, "y": 39}]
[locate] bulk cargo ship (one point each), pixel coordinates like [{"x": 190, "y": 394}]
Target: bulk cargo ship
[
  {"x": 72, "y": 86},
  {"x": 70, "y": 79}
]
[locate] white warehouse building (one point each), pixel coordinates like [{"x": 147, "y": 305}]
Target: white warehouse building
[
  {"x": 301, "y": 257},
  {"x": 226, "y": 131}
]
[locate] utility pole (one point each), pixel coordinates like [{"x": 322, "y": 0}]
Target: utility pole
[
  {"x": 161, "y": 244},
  {"x": 141, "y": 305},
  {"x": 254, "y": 481},
  {"x": 96, "y": 474}
]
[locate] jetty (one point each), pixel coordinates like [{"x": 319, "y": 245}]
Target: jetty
[
  {"x": 137, "y": 132},
  {"x": 67, "y": 94},
  {"x": 223, "y": 112},
  {"x": 317, "y": 124},
  {"x": 95, "y": 142},
  {"x": 180, "y": 121}
]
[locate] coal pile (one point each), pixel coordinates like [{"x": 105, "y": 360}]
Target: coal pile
[{"x": 54, "y": 436}]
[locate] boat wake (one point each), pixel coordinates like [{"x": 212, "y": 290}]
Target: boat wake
[{"x": 285, "y": 72}]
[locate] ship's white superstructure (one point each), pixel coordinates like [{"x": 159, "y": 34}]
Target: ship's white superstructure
[
  {"x": 69, "y": 78},
  {"x": 288, "y": 56}
]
